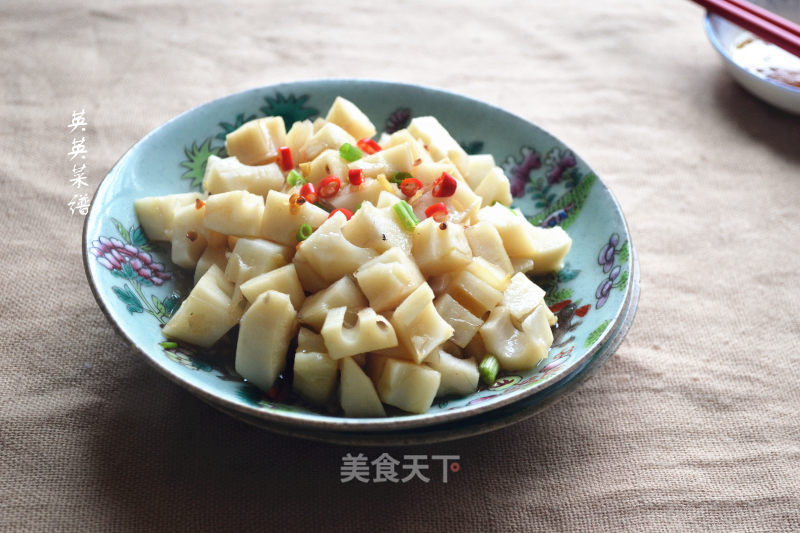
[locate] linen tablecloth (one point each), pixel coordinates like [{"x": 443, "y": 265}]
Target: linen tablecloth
[{"x": 692, "y": 425}]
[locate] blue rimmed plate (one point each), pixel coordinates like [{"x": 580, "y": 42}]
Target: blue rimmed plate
[{"x": 138, "y": 288}]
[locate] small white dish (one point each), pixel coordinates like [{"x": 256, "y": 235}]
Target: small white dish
[{"x": 724, "y": 36}]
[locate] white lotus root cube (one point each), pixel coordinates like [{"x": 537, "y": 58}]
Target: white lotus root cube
[
  {"x": 521, "y": 297},
  {"x": 388, "y": 279},
  {"x": 418, "y": 325},
  {"x": 378, "y": 229},
  {"x": 409, "y": 386},
  {"x": 479, "y": 287},
  {"x": 265, "y": 331},
  {"x": 438, "y": 141},
  {"x": 357, "y": 394},
  {"x": 252, "y": 257},
  {"x": 329, "y": 137},
  {"x": 418, "y": 152},
  {"x": 459, "y": 377},
  {"x": 370, "y": 332},
  {"x": 213, "y": 255},
  {"x": 343, "y": 293},
  {"x": 465, "y": 325},
  {"x": 235, "y": 213},
  {"x": 314, "y": 372},
  {"x": 485, "y": 242},
  {"x": 229, "y": 174},
  {"x": 329, "y": 254},
  {"x": 388, "y": 162},
  {"x": 328, "y": 163},
  {"x": 462, "y": 206},
  {"x": 551, "y": 246},
  {"x": 256, "y": 142},
  {"x": 188, "y": 236},
  {"x": 156, "y": 213},
  {"x": 350, "y": 196},
  {"x": 522, "y": 264},
  {"x": 283, "y": 279},
  {"x": 479, "y": 166},
  {"x": 440, "y": 248},
  {"x": 494, "y": 187},
  {"x": 281, "y": 221},
  {"x": 203, "y": 317},
  {"x": 296, "y": 137},
  {"x": 349, "y": 117},
  {"x": 516, "y": 349},
  {"x": 513, "y": 229}
]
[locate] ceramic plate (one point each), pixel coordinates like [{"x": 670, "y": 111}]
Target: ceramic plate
[{"x": 138, "y": 288}]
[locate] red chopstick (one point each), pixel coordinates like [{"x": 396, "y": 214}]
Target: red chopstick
[{"x": 759, "y": 21}]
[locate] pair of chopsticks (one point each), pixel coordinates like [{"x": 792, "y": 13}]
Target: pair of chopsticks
[{"x": 758, "y": 21}]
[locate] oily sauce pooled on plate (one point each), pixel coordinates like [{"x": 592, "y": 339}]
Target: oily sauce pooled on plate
[{"x": 766, "y": 60}]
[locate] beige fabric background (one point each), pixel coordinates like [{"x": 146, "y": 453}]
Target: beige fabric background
[{"x": 692, "y": 425}]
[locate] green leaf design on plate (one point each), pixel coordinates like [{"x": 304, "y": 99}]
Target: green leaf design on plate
[
  {"x": 624, "y": 252},
  {"x": 158, "y": 305},
  {"x": 596, "y": 333},
  {"x": 228, "y": 127},
  {"x": 559, "y": 295},
  {"x": 127, "y": 296},
  {"x": 472, "y": 147},
  {"x": 196, "y": 158},
  {"x": 622, "y": 282},
  {"x": 291, "y": 108},
  {"x": 567, "y": 273},
  {"x": 121, "y": 230},
  {"x": 576, "y": 197},
  {"x": 171, "y": 304},
  {"x": 125, "y": 272},
  {"x": 138, "y": 239}
]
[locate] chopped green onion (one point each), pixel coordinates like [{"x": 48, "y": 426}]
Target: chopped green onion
[
  {"x": 168, "y": 345},
  {"x": 294, "y": 178},
  {"x": 357, "y": 207},
  {"x": 406, "y": 215},
  {"x": 304, "y": 232},
  {"x": 488, "y": 369},
  {"x": 350, "y": 152},
  {"x": 400, "y": 176}
]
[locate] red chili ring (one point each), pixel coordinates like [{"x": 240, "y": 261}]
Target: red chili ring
[
  {"x": 437, "y": 211},
  {"x": 329, "y": 187},
  {"x": 444, "y": 186},
  {"x": 309, "y": 192},
  {"x": 368, "y": 145},
  {"x": 355, "y": 176},
  {"x": 410, "y": 186},
  {"x": 345, "y": 212}
]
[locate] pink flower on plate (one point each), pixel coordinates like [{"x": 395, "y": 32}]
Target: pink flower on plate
[{"x": 129, "y": 262}]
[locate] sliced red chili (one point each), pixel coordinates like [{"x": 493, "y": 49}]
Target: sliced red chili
[
  {"x": 329, "y": 187},
  {"x": 437, "y": 212},
  {"x": 285, "y": 159},
  {"x": 444, "y": 186},
  {"x": 346, "y": 212},
  {"x": 410, "y": 186},
  {"x": 368, "y": 146},
  {"x": 309, "y": 192},
  {"x": 356, "y": 176}
]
